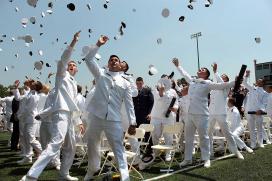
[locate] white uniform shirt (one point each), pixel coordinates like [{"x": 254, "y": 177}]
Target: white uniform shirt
[
  {"x": 42, "y": 100},
  {"x": 22, "y": 99},
  {"x": 269, "y": 105},
  {"x": 46, "y": 113},
  {"x": 234, "y": 119},
  {"x": 198, "y": 92},
  {"x": 161, "y": 105},
  {"x": 111, "y": 90},
  {"x": 218, "y": 99},
  {"x": 184, "y": 103},
  {"x": 8, "y": 101},
  {"x": 30, "y": 107},
  {"x": 256, "y": 99},
  {"x": 65, "y": 85},
  {"x": 80, "y": 102}
]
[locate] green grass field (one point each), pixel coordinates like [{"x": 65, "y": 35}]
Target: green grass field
[{"x": 257, "y": 166}]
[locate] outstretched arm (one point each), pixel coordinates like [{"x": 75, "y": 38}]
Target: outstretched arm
[
  {"x": 92, "y": 65},
  {"x": 183, "y": 73},
  {"x": 62, "y": 64},
  {"x": 245, "y": 81}
]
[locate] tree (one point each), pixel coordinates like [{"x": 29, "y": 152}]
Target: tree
[{"x": 3, "y": 91}]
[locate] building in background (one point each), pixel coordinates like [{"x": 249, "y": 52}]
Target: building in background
[{"x": 263, "y": 70}]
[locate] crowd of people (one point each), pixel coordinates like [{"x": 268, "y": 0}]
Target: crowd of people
[{"x": 45, "y": 123}]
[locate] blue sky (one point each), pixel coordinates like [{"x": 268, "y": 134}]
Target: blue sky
[{"x": 228, "y": 30}]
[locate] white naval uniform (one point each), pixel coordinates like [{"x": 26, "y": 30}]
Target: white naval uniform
[
  {"x": 20, "y": 114},
  {"x": 158, "y": 119},
  {"x": 63, "y": 134},
  {"x": 104, "y": 107},
  {"x": 236, "y": 126},
  {"x": 256, "y": 100},
  {"x": 198, "y": 114},
  {"x": 8, "y": 101},
  {"x": 42, "y": 99},
  {"x": 30, "y": 127},
  {"x": 218, "y": 113},
  {"x": 184, "y": 103}
]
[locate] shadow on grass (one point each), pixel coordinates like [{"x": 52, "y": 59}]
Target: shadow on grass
[
  {"x": 18, "y": 171},
  {"x": 196, "y": 176}
]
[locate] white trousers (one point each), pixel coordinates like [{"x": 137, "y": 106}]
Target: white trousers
[
  {"x": 30, "y": 140},
  {"x": 158, "y": 131},
  {"x": 45, "y": 137},
  {"x": 199, "y": 123},
  {"x": 21, "y": 137},
  {"x": 253, "y": 122},
  {"x": 114, "y": 132},
  {"x": 236, "y": 134},
  {"x": 225, "y": 128},
  {"x": 63, "y": 135}
]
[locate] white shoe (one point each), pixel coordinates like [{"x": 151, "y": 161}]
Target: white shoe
[
  {"x": 168, "y": 157},
  {"x": 25, "y": 160},
  {"x": 185, "y": 163},
  {"x": 249, "y": 150},
  {"x": 68, "y": 177},
  {"x": 239, "y": 155},
  {"x": 207, "y": 163},
  {"x": 261, "y": 145},
  {"x": 26, "y": 178},
  {"x": 268, "y": 142}
]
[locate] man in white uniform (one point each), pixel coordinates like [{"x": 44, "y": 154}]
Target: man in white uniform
[
  {"x": 104, "y": 108},
  {"x": 198, "y": 114},
  {"x": 218, "y": 113},
  {"x": 256, "y": 102},
  {"x": 62, "y": 126}
]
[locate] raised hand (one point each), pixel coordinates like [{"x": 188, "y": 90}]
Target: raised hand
[
  {"x": 175, "y": 62},
  {"x": 102, "y": 40},
  {"x": 247, "y": 73},
  {"x": 214, "y": 66},
  {"x": 75, "y": 39}
]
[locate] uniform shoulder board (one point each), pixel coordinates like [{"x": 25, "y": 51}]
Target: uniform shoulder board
[{"x": 125, "y": 78}]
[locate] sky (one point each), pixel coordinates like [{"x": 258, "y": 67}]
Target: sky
[{"x": 228, "y": 29}]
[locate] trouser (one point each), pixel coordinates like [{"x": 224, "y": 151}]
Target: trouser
[
  {"x": 253, "y": 122},
  {"x": 15, "y": 136},
  {"x": 236, "y": 134},
  {"x": 199, "y": 123},
  {"x": 158, "y": 131},
  {"x": 21, "y": 136},
  {"x": 224, "y": 126},
  {"x": 45, "y": 138},
  {"x": 30, "y": 140},
  {"x": 63, "y": 135},
  {"x": 114, "y": 132}
]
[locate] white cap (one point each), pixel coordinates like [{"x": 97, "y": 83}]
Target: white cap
[
  {"x": 42, "y": 14},
  {"x": 16, "y": 9},
  {"x": 97, "y": 56},
  {"x": 38, "y": 65},
  {"x": 12, "y": 39},
  {"x": 89, "y": 6},
  {"x": 159, "y": 40},
  {"x": 6, "y": 68},
  {"x": 32, "y": 3},
  {"x": 49, "y": 11},
  {"x": 32, "y": 19},
  {"x": 165, "y": 12},
  {"x": 17, "y": 55},
  {"x": 258, "y": 40},
  {"x": 152, "y": 70},
  {"x": 40, "y": 52},
  {"x": 24, "y": 21}
]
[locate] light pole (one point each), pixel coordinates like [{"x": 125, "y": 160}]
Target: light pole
[{"x": 196, "y": 35}]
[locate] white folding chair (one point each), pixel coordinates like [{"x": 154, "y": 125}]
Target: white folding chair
[
  {"x": 169, "y": 129},
  {"x": 149, "y": 128},
  {"x": 130, "y": 154}
]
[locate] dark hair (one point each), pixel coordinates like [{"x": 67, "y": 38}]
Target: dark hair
[
  {"x": 231, "y": 101},
  {"x": 79, "y": 89},
  {"x": 114, "y": 56},
  {"x": 38, "y": 86},
  {"x": 208, "y": 72},
  {"x": 139, "y": 79},
  {"x": 127, "y": 66}
]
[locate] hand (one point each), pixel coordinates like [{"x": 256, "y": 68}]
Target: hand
[
  {"x": 247, "y": 73},
  {"x": 148, "y": 117},
  {"x": 173, "y": 109},
  {"x": 38, "y": 117},
  {"x": 81, "y": 129},
  {"x": 175, "y": 62},
  {"x": 132, "y": 130},
  {"x": 259, "y": 112},
  {"x": 102, "y": 40},
  {"x": 76, "y": 35},
  {"x": 214, "y": 66},
  {"x": 16, "y": 84}
]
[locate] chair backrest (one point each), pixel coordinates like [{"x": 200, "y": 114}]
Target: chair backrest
[
  {"x": 172, "y": 129},
  {"x": 139, "y": 134},
  {"x": 147, "y": 127}
]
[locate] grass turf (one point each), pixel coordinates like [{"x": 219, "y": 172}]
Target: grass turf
[{"x": 256, "y": 166}]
